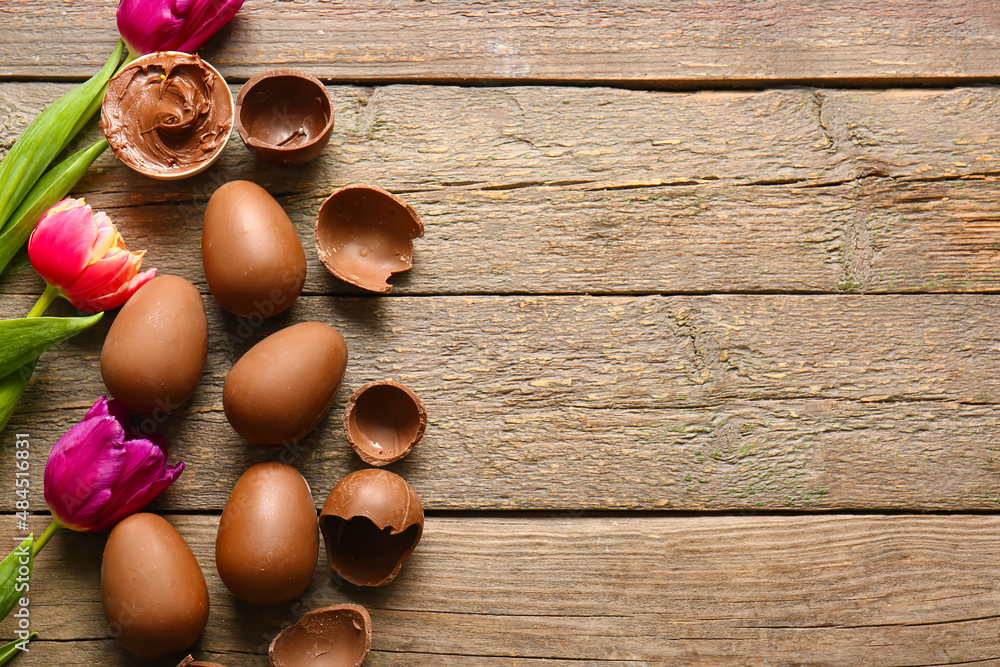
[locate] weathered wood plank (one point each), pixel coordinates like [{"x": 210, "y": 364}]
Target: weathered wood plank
[
  {"x": 788, "y": 190},
  {"x": 643, "y": 42},
  {"x": 835, "y": 590},
  {"x": 722, "y": 402}
]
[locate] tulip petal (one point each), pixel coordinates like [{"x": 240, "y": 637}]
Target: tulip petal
[
  {"x": 101, "y": 408},
  {"x": 144, "y": 461},
  {"x": 107, "y": 237},
  {"x": 116, "y": 298},
  {"x": 61, "y": 246},
  {"x": 93, "y": 478},
  {"x": 104, "y": 276},
  {"x": 145, "y": 25},
  {"x": 81, "y": 468},
  {"x": 142, "y": 492},
  {"x": 116, "y": 409},
  {"x": 172, "y": 25},
  {"x": 210, "y": 17}
]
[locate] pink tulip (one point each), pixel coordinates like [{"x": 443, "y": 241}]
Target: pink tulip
[
  {"x": 83, "y": 256},
  {"x": 94, "y": 478},
  {"x": 172, "y": 25}
]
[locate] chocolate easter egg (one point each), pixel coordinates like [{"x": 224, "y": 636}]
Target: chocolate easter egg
[
  {"x": 268, "y": 540},
  {"x": 283, "y": 386},
  {"x": 153, "y": 590},
  {"x": 253, "y": 260},
  {"x": 155, "y": 350}
]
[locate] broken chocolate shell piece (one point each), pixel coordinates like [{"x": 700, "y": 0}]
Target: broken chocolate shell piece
[
  {"x": 383, "y": 421},
  {"x": 371, "y": 522},
  {"x": 336, "y": 636},
  {"x": 167, "y": 115},
  {"x": 191, "y": 662},
  {"x": 365, "y": 234},
  {"x": 284, "y": 116}
]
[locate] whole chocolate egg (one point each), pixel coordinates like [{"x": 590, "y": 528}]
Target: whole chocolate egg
[
  {"x": 281, "y": 388},
  {"x": 154, "y": 593},
  {"x": 253, "y": 259},
  {"x": 371, "y": 523},
  {"x": 268, "y": 541},
  {"x": 155, "y": 350}
]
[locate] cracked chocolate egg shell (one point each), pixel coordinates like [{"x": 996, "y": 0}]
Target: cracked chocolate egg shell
[
  {"x": 191, "y": 662},
  {"x": 284, "y": 116},
  {"x": 365, "y": 234},
  {"x": 167, "y": 115},
  {"x": 335, "y": 636},
  {"x": 383, "y": 420},
  {"x": 371, "y": 522}
]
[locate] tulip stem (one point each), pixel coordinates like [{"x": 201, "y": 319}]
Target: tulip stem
[
  {"x": 46, "y": 536},
  {"x": 44, "y": 301}
]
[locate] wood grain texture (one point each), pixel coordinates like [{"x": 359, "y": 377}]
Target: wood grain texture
[
  {"x": 597, "y": 191},
  {"x": 641, "y": 42},
  {"x": 721, "y": 402},
  {"x": 830, "y": 590}
]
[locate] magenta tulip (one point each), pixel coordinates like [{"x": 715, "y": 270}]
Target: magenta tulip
[
  {"x": 94, "y": 477},
  {"x": 82, "y": 255},
  {"x": 172, "y": 25}
]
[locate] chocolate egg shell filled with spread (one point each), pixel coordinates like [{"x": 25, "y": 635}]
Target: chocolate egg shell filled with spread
[
  {"x": 281, "y": 388},
  {"x": 284, "y": 116},
  {"x": 383, "y": 421},
  {"x": 268, "y": 540},
  {"x": 167, "y": 115},
  {"x": 155, "y": 350},
  {"x": 365, "y": 234},
  {"x": 335, "y": 636},
  {"x": 154, "y": 593},
  {"x": 371, "y": 522},
  {"x": 253, "y": 259}
]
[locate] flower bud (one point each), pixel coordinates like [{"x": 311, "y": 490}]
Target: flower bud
[
  {"x": 148, "y": 26},
  {"x": 82, "y": 254}
]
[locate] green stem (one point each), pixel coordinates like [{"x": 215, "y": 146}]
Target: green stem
[
  {"x": 130, "y": 55},
  {"x": 44, "y": 301},
  {"x": 46, "y": 536}
]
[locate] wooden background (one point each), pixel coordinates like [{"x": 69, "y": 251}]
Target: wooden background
[{"x": 705, "y": 319}]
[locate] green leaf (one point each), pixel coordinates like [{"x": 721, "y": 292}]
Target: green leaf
[
  {"x": 11, "y": 387},
  {"x": 11, "y": 588},
  {"x": 10, "y": 650},
  {"x": 48, "y": 135},
  {"x": 49, "y": 189},
  {"x": 23, "y": 339}
]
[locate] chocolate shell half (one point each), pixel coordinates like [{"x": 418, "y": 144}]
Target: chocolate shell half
[
  {"x": 284, "y": 116},
  {"x": 191, "y": 662},
  {"x": 371, "y": 522},
  {"x": 167, "y": 115},
  {"x": 365, "y": 234},
  {"x": 383, "y": 421},
  {"x": 337, "y": 636}
]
